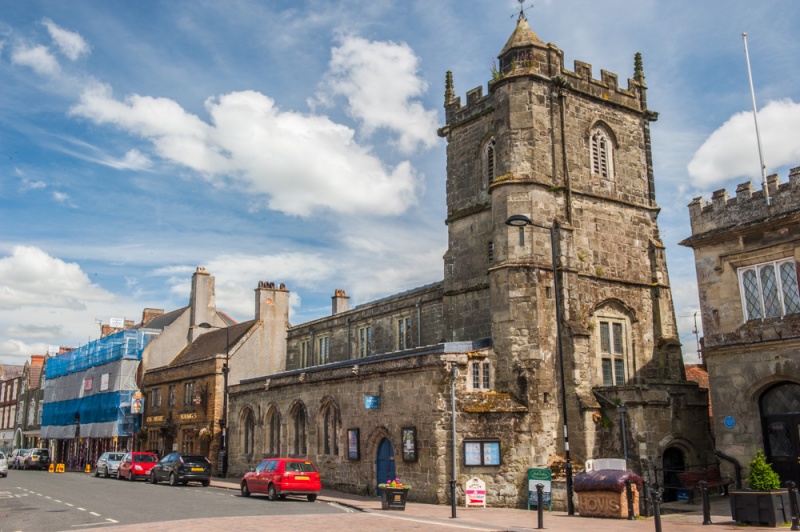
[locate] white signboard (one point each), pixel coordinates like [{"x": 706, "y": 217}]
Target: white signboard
[
  {"x": 52, "y": 350},
  {"x": 475, "y": 492},
  {"x": 117, "y": 323}
]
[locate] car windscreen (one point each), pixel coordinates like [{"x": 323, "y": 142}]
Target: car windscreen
[
  {"x": 145, "y": 458},
  {"x": 115, "y": 457},
  {"x": 304, "y": 467}
]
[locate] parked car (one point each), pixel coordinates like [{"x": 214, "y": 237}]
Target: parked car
[
  {"x": 15, "y": 460},
  {"x": 182, "y": 468},
  {"x": 3, "y": 465},
  {"x": 36, "y": 459},
  {"x": 136, "y": 465},
  {"x": 108, "y": 464},
  {"x": 279, "y": 477}
]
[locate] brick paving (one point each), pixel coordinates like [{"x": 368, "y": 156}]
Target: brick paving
[{"x": 365, "y": 514}]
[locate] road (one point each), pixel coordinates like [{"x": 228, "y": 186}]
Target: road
[{"x": 44, "y": 502}]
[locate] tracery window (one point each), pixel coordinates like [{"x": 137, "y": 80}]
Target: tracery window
[
  {"x": 274, "y": 439},
  {"x": 249, "y": 432}
]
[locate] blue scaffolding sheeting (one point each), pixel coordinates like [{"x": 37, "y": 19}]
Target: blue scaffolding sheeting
[{"x": 124, "y": 344}]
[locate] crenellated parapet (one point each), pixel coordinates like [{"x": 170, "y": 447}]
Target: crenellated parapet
[{"x": 748, "y": 206}]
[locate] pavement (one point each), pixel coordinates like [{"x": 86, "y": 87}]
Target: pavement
[{"x": 677, "y": 516}]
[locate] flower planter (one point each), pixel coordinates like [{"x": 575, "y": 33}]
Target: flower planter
[
  {"x": 393, "y": 498},
  {"x": 760, "y": 508}
]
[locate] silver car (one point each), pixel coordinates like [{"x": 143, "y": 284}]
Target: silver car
[
  {"x": 108, "y": 464},
  {"x": 3, "y": 465}
]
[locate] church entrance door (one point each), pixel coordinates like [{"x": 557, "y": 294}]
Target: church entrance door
[{"x": 384, "y": 463}]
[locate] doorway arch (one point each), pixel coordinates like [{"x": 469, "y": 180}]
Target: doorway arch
[
  {"x": 780, "y": 421},
  {"x": 673, "y": 462},
  {"x": 384, "y": 463}
]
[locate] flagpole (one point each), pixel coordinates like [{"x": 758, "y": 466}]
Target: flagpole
[{"x": 755, "y": 119}]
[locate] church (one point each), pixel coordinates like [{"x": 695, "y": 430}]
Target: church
[{"x": 551, "y": 339}]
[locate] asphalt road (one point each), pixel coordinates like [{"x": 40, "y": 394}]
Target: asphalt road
[{"x": 44, "y": 502}]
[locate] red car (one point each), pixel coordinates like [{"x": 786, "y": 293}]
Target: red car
[
  {"x": 279, "y": 477},
  {"x": 136, "y": 465}
]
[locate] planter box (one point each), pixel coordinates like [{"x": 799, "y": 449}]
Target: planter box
[
  {"x": 607, "y": 503},
  {"x": 760, "y": 508},
  {"x": 393, "y": 498}
]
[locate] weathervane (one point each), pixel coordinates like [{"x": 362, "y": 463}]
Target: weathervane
[{"x": 521, "y": 15}]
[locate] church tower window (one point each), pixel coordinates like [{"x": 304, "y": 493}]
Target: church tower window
[{"x": 601, "y": 153}]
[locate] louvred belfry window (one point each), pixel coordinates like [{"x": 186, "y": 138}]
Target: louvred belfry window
[{"x": 601, "y": 153}]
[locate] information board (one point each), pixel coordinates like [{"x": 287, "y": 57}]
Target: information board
[{"x": 545, "y": 478}]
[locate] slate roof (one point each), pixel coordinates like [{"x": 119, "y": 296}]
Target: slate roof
[{"x": 212, "y": 343}]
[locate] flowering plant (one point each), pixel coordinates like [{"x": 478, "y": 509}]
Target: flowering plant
[
  {"x": 394, "y": 484},
  {"x": 205, "y": 434}
]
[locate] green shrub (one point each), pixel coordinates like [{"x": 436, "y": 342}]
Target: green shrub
[{"x": 762, "y": 477}]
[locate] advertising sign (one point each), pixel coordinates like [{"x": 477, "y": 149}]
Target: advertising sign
[
  {"x": 544, "y": 477},
  {"x": 137, "y": 403},
  {"x": 475, "y": 492}
]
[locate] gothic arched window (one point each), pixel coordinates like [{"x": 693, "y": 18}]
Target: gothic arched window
[
  {"x": 298, "y": 416},
  {"x": 274, "y": 435},
  {"x": 601, "y": 153},
  {"x": 489, "y": 166},
  {"x": 329, "y": 429},
  {"x": 249, "y": 424}
]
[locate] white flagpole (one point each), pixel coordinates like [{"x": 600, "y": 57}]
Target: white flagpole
[{"x": 755, "y": 119}]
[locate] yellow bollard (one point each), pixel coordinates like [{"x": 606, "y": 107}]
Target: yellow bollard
[
  {"x": 59, "y": 468},
  {"x": 52, "y": 468},
  {"x": 88, "y": 468}
]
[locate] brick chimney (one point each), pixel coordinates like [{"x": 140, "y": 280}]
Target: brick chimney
[
  {"x": 202, "y": 303},
  {"x": 272, "y": 309},
  {"x": 149, "y": 314},
  {"x": 340, "y": 302}
]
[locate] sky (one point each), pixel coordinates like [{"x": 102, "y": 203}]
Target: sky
[{"x": 295, "y": 141}]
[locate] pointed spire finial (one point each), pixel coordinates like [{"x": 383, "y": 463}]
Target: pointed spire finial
[
  {"x": 638, "y": 69},
  {"x": 521, "y": 15},
  {"x": 449, "y": 93}
]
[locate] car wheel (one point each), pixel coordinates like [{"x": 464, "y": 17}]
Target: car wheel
[
  {"x": 312, "y": 497},
  {"x": 206, "y": 483},
  {"x": 282, "y": 497},
  {"x": 107, "y": 475},
  {"x": 173, "y": 480},
  {"x": 96, "y": 472},
  {"x": 130, "y": 477},
  {"x": 273, "y": 495},
  {"x": 245, "y": 489},
  {"x": 153, "y": 479}
]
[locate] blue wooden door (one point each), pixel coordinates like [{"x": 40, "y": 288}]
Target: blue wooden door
[{"x": 385, "y": 463}]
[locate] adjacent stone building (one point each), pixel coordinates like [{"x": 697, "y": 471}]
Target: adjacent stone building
[
  {"x": 368, "y": 392},
  {"x": 746, "y": 251}
]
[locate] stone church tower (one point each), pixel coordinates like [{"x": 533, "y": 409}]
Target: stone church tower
[{"x": 571, "y": 153}]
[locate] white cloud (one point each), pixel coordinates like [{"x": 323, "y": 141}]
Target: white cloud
[
  {"x": 38, "y": 58},
  {"x": 732, "y": 150},
  {"x": 380, "y": 81},
  {"x": 62, "y": 197},
  {"x": 71, "y": 44},
  {"x": 29, "y": 277},
  {"x": 300, "y": 162}
]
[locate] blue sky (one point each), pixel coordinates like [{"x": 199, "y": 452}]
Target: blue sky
[{"x": 296, "y": 141}]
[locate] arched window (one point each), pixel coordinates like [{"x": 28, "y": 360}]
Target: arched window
[
  {"x": 274, "y": 436},
  {"x": 298, "y": 416},
  {"x": 329, "y": 429},
  {"x": 249, "y": 425},
  {"x": 489, "y": 166},
  {"x": 601, "y": 153}
]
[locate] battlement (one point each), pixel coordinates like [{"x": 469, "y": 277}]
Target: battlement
[
  {"x": 545, "y": 63},
  {"x": 748, "y": 206}
]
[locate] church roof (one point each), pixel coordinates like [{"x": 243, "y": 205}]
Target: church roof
[{"x": 522, "y": 36}]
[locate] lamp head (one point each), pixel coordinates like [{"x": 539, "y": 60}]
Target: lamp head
[
  {"x": 205, "y": 325},
  {"x": 518, "y": 220}
]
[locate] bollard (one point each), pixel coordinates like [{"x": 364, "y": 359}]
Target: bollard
[
  {"x": 706, "y": 502},
  {"x": 656, "y": 509},
  {"x": 793, "y": 504},
  {"x": 629, "y": 493},
  {"x": 540, "y": 504},
  {"x": 453, "y": 498}
]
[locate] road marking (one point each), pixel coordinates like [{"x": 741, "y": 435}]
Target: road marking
[
  {"x": 47, "y": 497},
  {"x": 95, "y": 514},
  {"x": 56, "y": 500},
  {"x": 111, "y": 520},
  {"x": 401, "y": 518},
  {"x": 342, "y": 508},
  {"x": 81, "y": 509},
  {"x": 68, "y": 504}
]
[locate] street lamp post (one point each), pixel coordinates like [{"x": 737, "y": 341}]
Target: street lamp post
[
  {"x": 223, "y": 423},
  {"x": 520, "y": 220}
]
